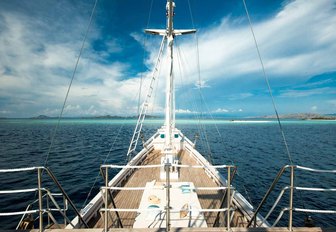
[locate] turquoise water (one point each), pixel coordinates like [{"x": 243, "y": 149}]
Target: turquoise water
[
  {"x": 255, "y": 146},
  {"x": 161, "y": 121}
]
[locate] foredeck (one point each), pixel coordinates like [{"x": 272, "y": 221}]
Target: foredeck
[
  {"x": 131, "y": 199},
  {"x": 240, "y": 229}
]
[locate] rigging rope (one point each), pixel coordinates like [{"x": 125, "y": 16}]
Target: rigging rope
[
  {"x": 268, "y": 85},
  {"x": 143, "y": 56},
  {"x": 207, "y": 108},
  {"x": 109, "y": 153},
  {"x": 106, "y": 157},
  {"x": 153, "y": 101},
  {"x": 271, "y": 95},
  {"x": 69, "y": 87},
  {"x": 200, "y": 126},
  {"x": 195, "y": 110},
  {"x": 70, "y": 84}
]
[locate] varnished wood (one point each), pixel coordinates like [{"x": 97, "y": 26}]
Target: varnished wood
[
  {"x": 272, "y": 229},
  {"x": 209, "y": 199}
]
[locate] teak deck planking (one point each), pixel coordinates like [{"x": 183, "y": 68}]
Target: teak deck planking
[{"x": 130, "y": 199}]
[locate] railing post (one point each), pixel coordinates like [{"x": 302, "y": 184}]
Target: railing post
[
  {"x": 228, "y": 197},
  {"x": 167, "y": 168},
  {"x": 290, "y": 223},
  {"x": 106, "y": 200},
  {"x": 65, "y": 206},
  {"x": 48, "y": 209},
  {"x": 39, "y": 184}
]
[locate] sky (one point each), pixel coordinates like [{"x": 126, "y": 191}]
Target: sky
[{"x": 216, "y": 71}]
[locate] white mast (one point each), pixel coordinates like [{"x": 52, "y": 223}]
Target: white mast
[
  {"x": 170, "y": 79},
  {"x": 170, "y": 34}
]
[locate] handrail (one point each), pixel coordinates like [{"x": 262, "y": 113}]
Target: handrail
[
  {"x": 143, "y": 188},
  {"x": 202, "y": 166},
  {"x": 291, "y": 188},
  {"x": 107, "y": 191},
  {"x": 130, "y": 166},
  {"x": 161, "y": 165},
  {"x": 105, "y": 177},
  {"x": 51, "y": 174},
  {"x": 39, "y": 189},
  {"x": 144, "y": 107},
  {"x": 34, "y": 202},
  {"x": 164, "y": 210},
  {"x": 230, "y": 178},
  {"x": 296, "y": 209},
  {"x": 314, "y": 170},
  {"x": 254, "y": 217},
  {"x": 19, "y": 169}
]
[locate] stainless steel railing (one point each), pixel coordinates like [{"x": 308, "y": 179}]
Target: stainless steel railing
[
  {"x": 291, "y": 189},
  {"x": 48, "y": 196},
  {"x": 43, "y": 195},
  {"x": 226, "y": 200}
]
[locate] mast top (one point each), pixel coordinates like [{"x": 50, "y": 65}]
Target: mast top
[
  {"x": 169, "y": 31},
  {"x": 170, "y": 14}
]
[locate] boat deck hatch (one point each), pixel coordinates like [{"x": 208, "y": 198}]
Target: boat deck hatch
[{"x": 184, "y": 206}]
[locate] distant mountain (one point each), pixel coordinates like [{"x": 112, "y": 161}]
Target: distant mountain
[
  {"x": 41, "y": 117},
  {"x": 118, "y": 117},
  {"x": 305, "y": 116},
  {"x": 103, "y": 117},
  {"x": 95, "y": 117}
]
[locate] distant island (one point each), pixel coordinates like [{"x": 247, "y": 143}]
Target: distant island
[
  {"x": 297, "y": 116},
  {"x": 42, "y": 117},
  {"x": 96, "y": 117},
  {"x": 118, "y": 117},
  {"x": 304, "y": 116}
]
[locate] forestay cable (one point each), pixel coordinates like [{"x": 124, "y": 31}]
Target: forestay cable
[
  {"x": 143, "y": 57},
  {"x": 271, "y": 95},
  {"x": 142, "y": 115},
  {"x": 104, "y": 162},
  {"x": 201, "y": 127},
  {"x": 72, "y": 78},
  {"x": 268, "y": 85},
  {"x": 108, "y": 154}
]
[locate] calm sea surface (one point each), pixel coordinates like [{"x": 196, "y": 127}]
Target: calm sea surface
[{"x": 255, "y": 147}]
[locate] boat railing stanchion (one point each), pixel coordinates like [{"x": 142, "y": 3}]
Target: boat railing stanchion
[
  {"x": 48, "y": 208},
  {"x": 290, "y": 223},
  {"x": 167, "y": 168},
  {"x": 255, "y": 221},
  {"x": 65, "y": 206},
  {"x": 228, "y": 196},
  {"x": 106, "y": 200},
  {"x": 39, "y": 184}
]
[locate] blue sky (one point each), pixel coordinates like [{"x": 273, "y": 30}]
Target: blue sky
[{"x": 40, "y": 41}]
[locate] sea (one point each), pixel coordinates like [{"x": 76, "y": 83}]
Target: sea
[{"x": 255, "y": 146}]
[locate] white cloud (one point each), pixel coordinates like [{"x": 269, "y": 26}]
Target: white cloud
[
  {"x": 200, "y": 84},
  {"x": 221, "y": 110},
  {"x": 36, "y": 68},
  {"x": 5, "y": 112},
  {"x": 38, "y": 54},
  {"x": 314, "y": 108},
  {"x": 307, "y": 92},
  {"x": 289, "y": 46},
  {"x": 184, "y": 111}
]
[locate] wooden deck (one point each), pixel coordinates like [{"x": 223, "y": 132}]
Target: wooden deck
[
  {"x": 209, "y": 199},
  {"x": 237, "y": 229},
  {"x": 131, "y": 199}
]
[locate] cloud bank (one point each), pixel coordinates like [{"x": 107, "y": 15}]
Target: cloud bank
[{"x": 38, "y": 53}]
